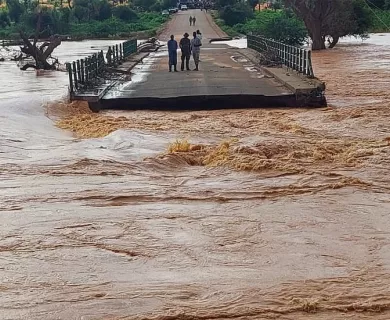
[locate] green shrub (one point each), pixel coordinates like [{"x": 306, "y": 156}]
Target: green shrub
[
  {"x": 124, "y": 13},
  {"x": 4, "y": 18},
  {"x": 237, "y": 13},
  {"x": 380, "y": 21},
  {"x": 15, "y": 9},
  {"x": 283, "y": 27},
  {"x": 279, "y": 25}
]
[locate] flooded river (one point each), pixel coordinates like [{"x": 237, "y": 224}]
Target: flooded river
[{"x": 247, "y": 214}]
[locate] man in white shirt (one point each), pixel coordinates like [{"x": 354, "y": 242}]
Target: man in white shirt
[
  {"x": 199, "y": 35},
  {"x": 196, "y": 43}
]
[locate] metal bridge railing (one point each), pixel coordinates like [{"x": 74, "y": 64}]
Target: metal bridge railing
[
  {"x": 84, "y": 73},
  {"x": 292, "y": 57},
  {"x": 129, "y": 47}
]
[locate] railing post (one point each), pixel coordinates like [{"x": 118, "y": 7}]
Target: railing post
[
  {"x": 69, "y": 68},
  {"x": 287, "y": 56},
  {"x": 305, "y": 62},
  {"x": 121, "y": 52},
  {"x": 101, "y": 58},
  {"x": 91, "y": 72},
  {"x": 87, "y": 70},
  {"x": 113, "y": 57},
  {"x": 75, "y": 75},
  {"x": 90, "y": 58},
  {"x": 108, "y": 56},
  {"x": 79, "y": 71},
  {"x": 292, "y": 57},
  {"x": 82, "y": 70},
  {"x": 301, "y": 60},
  {"x": 310, "y": 67},
  {"x": 94, "y": 66}
]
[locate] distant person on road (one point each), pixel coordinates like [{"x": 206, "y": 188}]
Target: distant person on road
[
  {"x": 195, "y": 49},
  {"x": 191, "y": 20},
  {"x": 172, "y": 52},
  {"x": 185, "y": 46}
]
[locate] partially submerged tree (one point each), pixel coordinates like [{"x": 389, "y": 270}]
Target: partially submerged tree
[
  {"x": 333, "y": 18},
  {"x": 42, "y": 53},
  {"x": 351, "y": 18}
]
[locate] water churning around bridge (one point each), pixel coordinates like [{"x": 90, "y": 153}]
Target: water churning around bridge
[{"x": 247, "y": 214}]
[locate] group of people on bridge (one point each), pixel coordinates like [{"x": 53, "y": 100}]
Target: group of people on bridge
[{"x": 187, "y": 48}]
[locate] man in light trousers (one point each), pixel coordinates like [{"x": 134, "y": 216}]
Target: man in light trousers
[{"x": 195, "y": 49}]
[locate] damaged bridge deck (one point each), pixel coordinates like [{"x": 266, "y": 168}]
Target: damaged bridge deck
[{"x": 229, "y": 77}]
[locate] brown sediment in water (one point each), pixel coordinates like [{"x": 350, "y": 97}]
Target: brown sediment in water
[
  {"x": 77, "y": 118},
  {"x": 286, "y": 155},
  {"x": 61, "y": 109}
]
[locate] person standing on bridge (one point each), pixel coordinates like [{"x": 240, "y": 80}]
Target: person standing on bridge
[
  {"x": 185, "y": 46},
  {"x": 172, "y": 52},
  {"x": 199, "y": 35},
  {"x": 195, "y": 48},
  {"x": 190, "y": 20}
]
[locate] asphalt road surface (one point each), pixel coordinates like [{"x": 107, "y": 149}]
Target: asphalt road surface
[
  {"x": 223, "y": 69},
  {"x": 179, "y": 24}
]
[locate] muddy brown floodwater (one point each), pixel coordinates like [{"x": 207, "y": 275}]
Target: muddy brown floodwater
[{"x": 246, "y": 214}]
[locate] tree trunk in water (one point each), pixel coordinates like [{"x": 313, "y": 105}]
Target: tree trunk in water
[
  {"x": 316, "y": 37},
  {"x": 41, "y": 53},
  {"x": 335, "y": 40}
]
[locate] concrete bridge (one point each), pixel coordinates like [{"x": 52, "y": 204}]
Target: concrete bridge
[{"x": 229, "y": 77}]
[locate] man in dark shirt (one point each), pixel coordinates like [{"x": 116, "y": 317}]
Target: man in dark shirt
[
  {"x": 185, "y": 46},
  {"x": 172, "y": 52}
]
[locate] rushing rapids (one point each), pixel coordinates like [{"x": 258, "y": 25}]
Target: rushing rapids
[{"x": 247, "y": 214}]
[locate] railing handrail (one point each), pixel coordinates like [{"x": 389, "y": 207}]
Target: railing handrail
[
  {"x": 83, "y": 73},
  {"x": 292, "y": 57}
]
